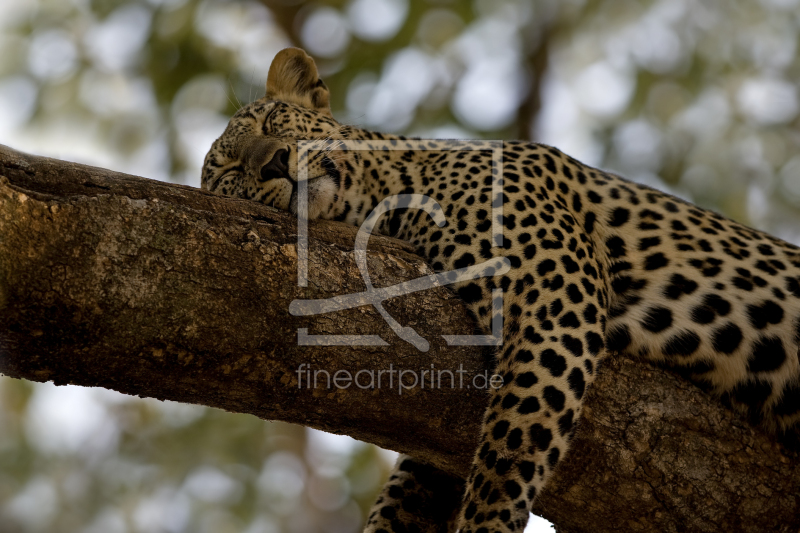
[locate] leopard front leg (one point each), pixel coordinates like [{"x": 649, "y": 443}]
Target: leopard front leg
[
  {"x": 547, "y": 361},
  {"x": 416, "y": 498}
]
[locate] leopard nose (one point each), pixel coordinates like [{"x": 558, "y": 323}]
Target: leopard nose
[{"x": 278, "y": 167}]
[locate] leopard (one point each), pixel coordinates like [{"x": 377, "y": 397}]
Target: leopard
[{"x": 597, "y": 265}]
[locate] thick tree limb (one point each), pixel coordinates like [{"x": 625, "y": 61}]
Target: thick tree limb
[{"x": 166, "y": 291}]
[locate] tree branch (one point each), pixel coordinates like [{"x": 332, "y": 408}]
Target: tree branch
[{"x": 167, "y": 291}]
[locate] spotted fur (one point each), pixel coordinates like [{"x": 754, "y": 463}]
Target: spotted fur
[{"x": 599, "y": 265}]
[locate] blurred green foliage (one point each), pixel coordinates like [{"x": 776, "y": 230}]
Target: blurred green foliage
[
  {"x": 698, "y": 98},
  {"x": 75, "y": 459}
]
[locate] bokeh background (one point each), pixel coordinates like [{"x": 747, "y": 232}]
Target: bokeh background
[{"x": 698, "y": 98}]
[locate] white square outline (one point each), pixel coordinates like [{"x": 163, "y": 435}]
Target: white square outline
[{"x": 401, "y": 145}]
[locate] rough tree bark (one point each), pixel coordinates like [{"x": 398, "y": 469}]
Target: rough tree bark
[{"x": 167, "y": 291}]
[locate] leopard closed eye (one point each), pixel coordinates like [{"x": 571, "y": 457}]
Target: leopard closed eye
[{"x": 598, "y": 264}]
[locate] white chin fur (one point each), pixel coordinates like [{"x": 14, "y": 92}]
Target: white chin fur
[{"x": 320, "y": 197}]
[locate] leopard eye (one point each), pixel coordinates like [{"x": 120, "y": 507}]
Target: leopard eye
[
  {"x": 226, "y": 174},
  {"x": 266, "y": 126}
]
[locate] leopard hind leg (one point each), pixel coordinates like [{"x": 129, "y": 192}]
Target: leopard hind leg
[{"x": 417, "y": 498}]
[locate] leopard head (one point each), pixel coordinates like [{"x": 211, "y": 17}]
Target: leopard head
[{"x": 257, "y": 155}]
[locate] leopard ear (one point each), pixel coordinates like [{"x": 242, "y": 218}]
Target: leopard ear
[{"x": 293, "y": 78}]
